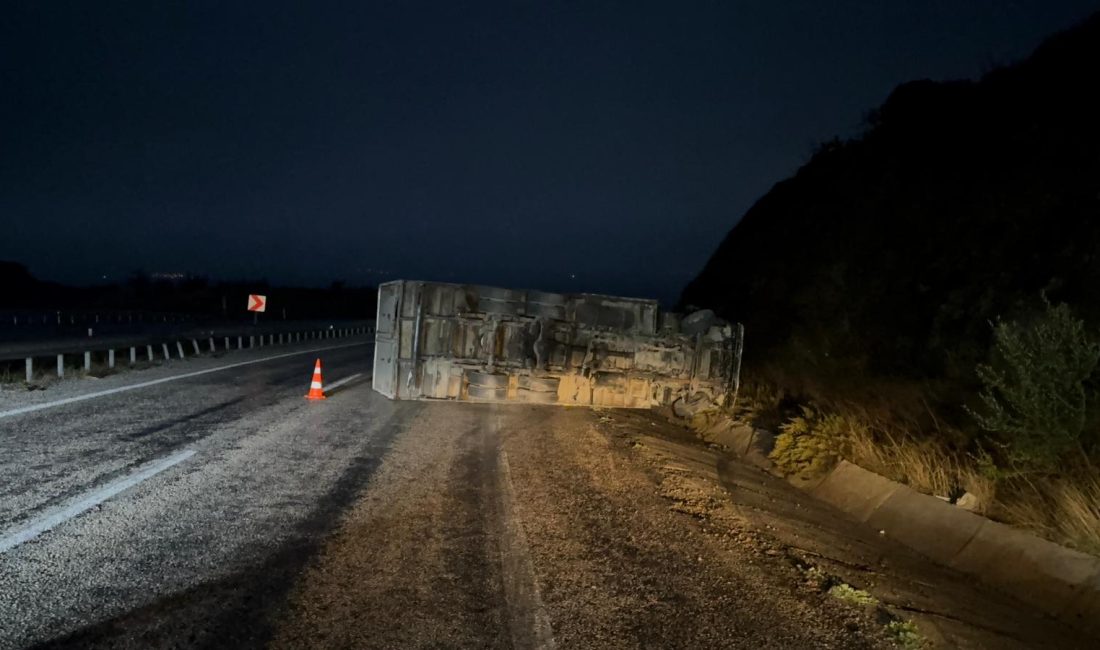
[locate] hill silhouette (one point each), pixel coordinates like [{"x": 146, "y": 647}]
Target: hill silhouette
[{"x": 888, "y": 255}]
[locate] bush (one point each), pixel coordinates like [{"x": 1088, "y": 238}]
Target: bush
[
  {"x": 810, "y": 444},
  {"x": 1034, "y": 390}
]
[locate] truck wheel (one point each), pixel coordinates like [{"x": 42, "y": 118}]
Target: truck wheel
[
  {"x": 487, "y": 379},
  {"x": 539, "y": 384},
  {"x": 536, "y": 397},
  {"x": 488, "y": 394}
]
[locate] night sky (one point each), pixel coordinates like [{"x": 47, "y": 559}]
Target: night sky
[{"x": 580, "y": 146}]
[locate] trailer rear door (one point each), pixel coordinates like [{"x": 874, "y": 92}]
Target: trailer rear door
[{"x": 385, "y": 340}]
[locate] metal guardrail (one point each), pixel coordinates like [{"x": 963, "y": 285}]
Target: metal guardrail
[{"x": 177, "y": 346}]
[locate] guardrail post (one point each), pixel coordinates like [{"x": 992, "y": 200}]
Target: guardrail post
[
  {"x": 87, "y": 361},
  {"x": 240, "y": 342},
  {"x": 227, "y": 344},
  {"x": 30, "y": 370},
  {"x": 60, "y": 366},
  {"x": 195, "y": 344},
  {"x": 271, "y": 339},
  {"x": 111, "y": 358},
  {"x": 261, "y": 340},
  {"x": 149, "y": 353},
  {"x": 252, "y": 341},
  {"x": 280, "y": 338},
  {"x": 179, "y": 349},
  {"x": 211, "y": 343},
  {"x": 133, "y": 355},
  {"x": 164, "y": 348}
]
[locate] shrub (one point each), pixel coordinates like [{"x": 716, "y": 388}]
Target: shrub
[
  {"x": 906, "y": 635},
  {"x": 810, "y": 444},
  {"x": 1034, "y": 390},
  {"x": 850, "y": 594}
]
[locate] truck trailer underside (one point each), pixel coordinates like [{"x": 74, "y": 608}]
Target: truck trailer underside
[{"x": 487, "y": 344}]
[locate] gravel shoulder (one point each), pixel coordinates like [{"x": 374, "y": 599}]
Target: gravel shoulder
[
  {"x": 533, "y": 527},
  {"x": 823, "y": 547},
  {"x": 424, "y": 558}
]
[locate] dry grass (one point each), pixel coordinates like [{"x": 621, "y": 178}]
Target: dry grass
[
  {"x": 896, "y": 433},
  {"x": 924, "y": 466},
  {"x": 760, "y": 403},
  {"x": 1065, "y": 511}
]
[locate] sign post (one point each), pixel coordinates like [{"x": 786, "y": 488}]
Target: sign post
[{"x": 256, "y": 304}]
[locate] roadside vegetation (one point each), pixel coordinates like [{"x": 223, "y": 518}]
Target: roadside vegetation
[
  {"x": 894, "y": 293},
  {"x": 1023, "y": 448}
]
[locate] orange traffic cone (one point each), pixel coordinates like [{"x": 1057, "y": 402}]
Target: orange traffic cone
[{"x": 315, "y": 389}]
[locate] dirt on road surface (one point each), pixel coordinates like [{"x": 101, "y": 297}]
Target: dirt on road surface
[{"x": 513, "y": 526}]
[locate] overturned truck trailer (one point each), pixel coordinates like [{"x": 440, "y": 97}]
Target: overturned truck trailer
[{"x": 485, "y": 344}]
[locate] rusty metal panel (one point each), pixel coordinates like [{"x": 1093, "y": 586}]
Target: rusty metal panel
[
  {"x": 439, "y": 338},
  {"x": 385, "y": 367},
  {"x": 385, "y": 345},
  {"x": 388, "y": 297},
  {"x": 410, "y": 298},
  {"x": 494, "y": 300}
]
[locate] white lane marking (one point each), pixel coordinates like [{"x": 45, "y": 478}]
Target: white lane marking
[
  {"x": 90, "y": 500},
  {"x": 340, "y": 382},
  {"x": 145, "y": 384}
]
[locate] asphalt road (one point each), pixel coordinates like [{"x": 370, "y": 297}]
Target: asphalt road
[
  {"x": 241, "y": 515},
  {"x": 230, "y": 525}
]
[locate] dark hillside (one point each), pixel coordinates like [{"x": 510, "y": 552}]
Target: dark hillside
[{"x": 888, "y": 255}]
